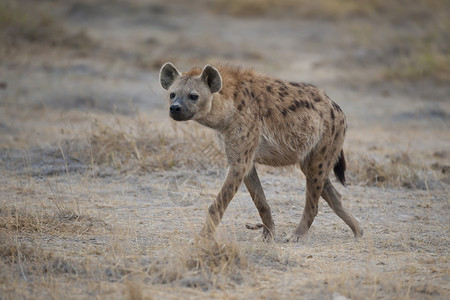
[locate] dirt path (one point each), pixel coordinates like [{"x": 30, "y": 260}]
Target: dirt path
[{"x": 100, "y": 192}]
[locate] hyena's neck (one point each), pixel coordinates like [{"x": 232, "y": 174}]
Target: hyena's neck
[{"x": 220, "y": 116}]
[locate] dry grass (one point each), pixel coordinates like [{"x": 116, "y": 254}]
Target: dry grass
[
  {"x": 128, "y": 258},
  {"x": 206, "y": 264},
  {"x": 143, "y": 145},
  {"x": 61, "y": 223},
  {"x": 393, "y": 171}
]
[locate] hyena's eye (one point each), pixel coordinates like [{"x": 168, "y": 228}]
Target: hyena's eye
[
  {"x": 172, "y": 95},
  {"x": 193, "y": 97}
]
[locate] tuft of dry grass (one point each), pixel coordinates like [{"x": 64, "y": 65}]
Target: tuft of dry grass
[
  {"x": 142, "y": 145},
  {"x": 205, "y": 264},
  {"x": 393, "y": 171},
  {"x": 399, "y": 170},
  {"x": 61, "y": 223},
  {"x": 32, "y": 260}
]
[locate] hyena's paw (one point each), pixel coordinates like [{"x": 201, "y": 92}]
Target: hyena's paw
[
  {"x": 294, "y": 237},
  {"x": 358, "y": 233},
  {"x": 268, "y": 235}
]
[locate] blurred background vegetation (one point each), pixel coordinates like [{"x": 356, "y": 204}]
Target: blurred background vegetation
[
  {"x": 417, "y": 48},
  {"x": 423, "y": 52}
]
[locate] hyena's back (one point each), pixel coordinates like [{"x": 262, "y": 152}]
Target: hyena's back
[{"x": 294, "y": 118}]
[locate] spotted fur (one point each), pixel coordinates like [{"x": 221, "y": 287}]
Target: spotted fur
[{"x": 263, "y": 120}]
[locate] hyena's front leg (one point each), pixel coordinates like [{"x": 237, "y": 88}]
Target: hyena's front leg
[
  {"x": 239, "y": 148},
  {"x": 256, "y": 191},
  {"x": 216, "y": 210}
]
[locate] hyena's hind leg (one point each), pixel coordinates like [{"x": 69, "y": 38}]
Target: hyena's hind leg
[
  {"x": 314, "y": 186},
  {"x": 333, "y": 198},
  {"x": 256, "y": 191}
]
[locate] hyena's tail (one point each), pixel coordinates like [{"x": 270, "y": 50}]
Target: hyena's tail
[{"x": 339, "y": 168}]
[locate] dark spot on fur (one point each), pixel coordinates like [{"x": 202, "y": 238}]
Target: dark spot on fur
[
  {"x": 333, "y": 128},
  {"x": 320, "y": 172},
  {"x": 246, "y": 152},
  {"x": 292, "y": 107},
  {"x": 230, "y": 186},
  {"x": 238, "y": 159},
  {"x": 284, "y": 111},
  {"x": 306, "y": 104},
  {"x": 320, "y": 166},
  {"x": 248, "y": 134},
  {"x": 269, "y": 112},
  {"x": 253, "y": 94},
  {"x": 235, "y": 94},
  {"x": 294, "y": 83},
  {"x": 307, "y": 84},
  {"x": 239, "y": 107},
  {"x": 321, "y": 114},
  {"x": 332, "y": 114},
  {"x": 297, "y": 103},
  {"x": 269, "y": 88},
  {"x": 317, "y": 187},
  {"x": 279, "y": 81},
  {"x": 316, "y": 99},
  {"x": 315, "y": 180},
  {"x": 335, "y": 106},
  {"x": 336, "y": 136},
  {"x": 243, "y": 103},
  {"x": 322, "y": 151}
]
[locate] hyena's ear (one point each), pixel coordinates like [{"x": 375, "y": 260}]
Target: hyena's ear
[
  {"x": 167, "y": 75},
  {"x": 212, "y": 77}
]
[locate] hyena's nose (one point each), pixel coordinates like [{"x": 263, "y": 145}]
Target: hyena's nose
[{"x": 175, "y": 109}]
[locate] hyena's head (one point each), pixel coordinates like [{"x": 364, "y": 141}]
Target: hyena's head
[{"x": 190, "y": 96}]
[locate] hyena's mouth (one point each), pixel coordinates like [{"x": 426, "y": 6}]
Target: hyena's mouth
[{"x": 181, "y": 117}]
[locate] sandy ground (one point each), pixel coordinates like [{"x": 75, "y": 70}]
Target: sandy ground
[{"x": 81, "y": 219}]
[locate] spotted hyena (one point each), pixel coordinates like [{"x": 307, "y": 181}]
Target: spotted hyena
[{"x": 266, "y": 121}]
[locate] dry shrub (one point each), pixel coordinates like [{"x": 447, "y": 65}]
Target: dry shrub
[
  {"x": 14, "y": 220},
  {"x": 393, "y": 171},
  {"x": 141, "y": 145},
  {"x": 33, "y": 260},
  {"x": 207, "y": 263}
]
